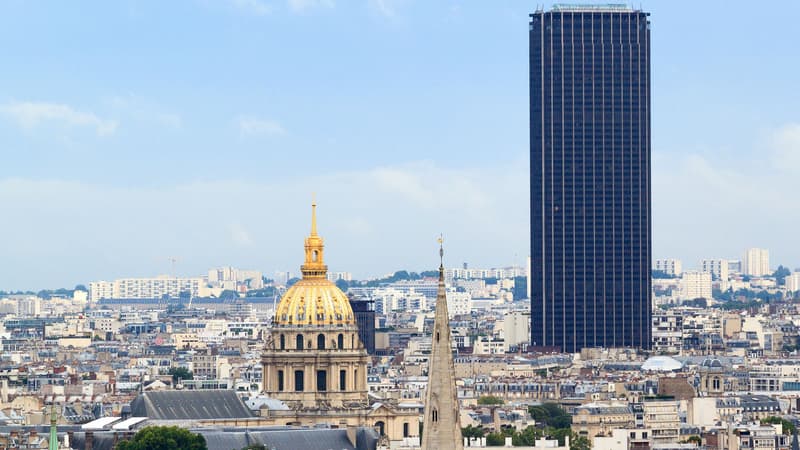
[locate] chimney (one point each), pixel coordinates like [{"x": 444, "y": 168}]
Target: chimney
[{"x": 351, "y": 435}]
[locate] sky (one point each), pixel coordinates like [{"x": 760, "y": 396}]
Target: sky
[{"x": 135, "y": 132}]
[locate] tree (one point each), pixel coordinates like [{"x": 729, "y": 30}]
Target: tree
[
  {"x": 579, "y": 442},
  {"x": 788, "y": 427},
  {"x": 180, "y": 373},
  {"x": 342, "y": 285},
  {"x": 661, "y": 274},
  {"x": 489, "y": 400},
  {"x": 527, "y": 437},
  {"x": 472, "y": 432},
  {"x": 164, "y": 438},
  {"x": 81, "y": 287},
  {"x": 780, "y": 275},
  {"x": 550, "y": 414},
  {"x": 495, "y": 439},
  {"x": 695, "y": 439}
]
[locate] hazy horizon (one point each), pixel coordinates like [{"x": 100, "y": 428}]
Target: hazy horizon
[{"x": 133, "y": 132}]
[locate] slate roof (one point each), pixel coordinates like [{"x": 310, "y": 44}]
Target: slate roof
[
  {"x": 277, "y": 438},
  {"x": 190, "y": 405}
]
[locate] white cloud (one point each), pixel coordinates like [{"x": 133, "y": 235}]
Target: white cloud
[
  {"x": 144, "y": 110},
  {"x": 239, "y": 235},
  {"x": 705, "y": 208},
  {"x": 256, "y": 7},
  {"x": 372, "y": 223},
  {"x": 386, "y": 8},
  {"x": 786, "y": 147},
  {"x": 30, "y": 114},
  {"x": 301, "y": 6},
  {"x": 249, "y": 126}
]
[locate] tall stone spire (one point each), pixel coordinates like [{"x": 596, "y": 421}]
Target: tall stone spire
[{"x": 441, "y": 427}]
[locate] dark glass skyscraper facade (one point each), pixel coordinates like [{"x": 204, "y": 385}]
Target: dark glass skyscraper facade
[{"x": 590, "y": 177}]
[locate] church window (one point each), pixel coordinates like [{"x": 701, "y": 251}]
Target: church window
[
  {"x": 435, "y": 415},
  {"x": 298, "y": 381},
  {"x": 321, "y": 341},
  {"x": 283, "y": 342},
  {"x": 340, "y": 341},
  {"x": 280, "y": 380},
  {"x": 322, "y": 380},
  {"x": 437, "y": 336},
  {"x": 299, "y": 340},
  {"x": 342, "y": 380}
]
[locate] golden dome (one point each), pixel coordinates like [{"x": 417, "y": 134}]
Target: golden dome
[{"x": 314, "y": 300}]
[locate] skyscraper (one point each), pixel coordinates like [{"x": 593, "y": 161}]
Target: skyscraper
[{"x": 590, "y": 177}]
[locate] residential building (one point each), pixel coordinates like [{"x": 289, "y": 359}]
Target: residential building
[
  {"x": 156, "y": 287},
  {"x": 695, "y": 284},
  {"x": 670, "y": 266},
  {"x": 756, "y": 262},
  {"x": 661, "y": 416},
  {"x": 590, "y": 177},
  {"x": 516, "y": 328},
  {"x": 718, "y": 268}
]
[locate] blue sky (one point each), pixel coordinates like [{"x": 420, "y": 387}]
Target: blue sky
[{"x": 135, "y": 131}]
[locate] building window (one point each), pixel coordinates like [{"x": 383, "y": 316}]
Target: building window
[
  {"x": 298, "y": 381},
  {"x": 283, "y": 342},
  {"x": 321, "y": 341},
  {"x": 342, "y": 380},
  {"x": 314, "y": 256},
  {"x": 299, "y": 340},
  {"x": 340, "y": 341},
  {"x": 405, "y": 429},
  {"x": 280, "y": 380},
  {"x": 435, "y": 415},
  {"x": 322, "y": 380}
]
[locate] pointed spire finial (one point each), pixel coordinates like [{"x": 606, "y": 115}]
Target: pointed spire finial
[
  {"x": 441, "y": 252},
  {"x": 313, "y": 215}
]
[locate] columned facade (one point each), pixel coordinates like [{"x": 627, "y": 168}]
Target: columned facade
[{"x": 315, "y": 363}]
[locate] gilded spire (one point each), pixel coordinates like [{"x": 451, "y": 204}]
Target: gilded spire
[
  {"x": 313, "y": 217},
  {"x": 314, "y": 265}
]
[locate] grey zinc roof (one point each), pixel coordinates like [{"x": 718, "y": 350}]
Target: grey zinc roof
[
  {"x": 282, "y": 438},
  {"x": 190, "y": 405}
]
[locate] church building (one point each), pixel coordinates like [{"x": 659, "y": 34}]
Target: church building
[{"x": 315, "y": 363}]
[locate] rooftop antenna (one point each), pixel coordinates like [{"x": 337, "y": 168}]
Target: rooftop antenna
[{"x": 173, "y": 260}]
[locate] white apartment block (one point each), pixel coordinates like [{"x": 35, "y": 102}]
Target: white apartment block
[
  {"x": 695, "y": 284},
  {"x": 669, "y": 266},
  {"x": 145, "y": 287},
  {"x": 29, "y": 306},
  {"x": 793, "y": 282},
  {"x": 336, "y": 276},
  {"x": 718, "y": 268},
  {"x": 516, "y": 328},
  {"x": 499, "y": 273},
  {"x": 230, "y": 278},
  {"x": 458, "y": 303},
  {"x": 756, "y": 262}
]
